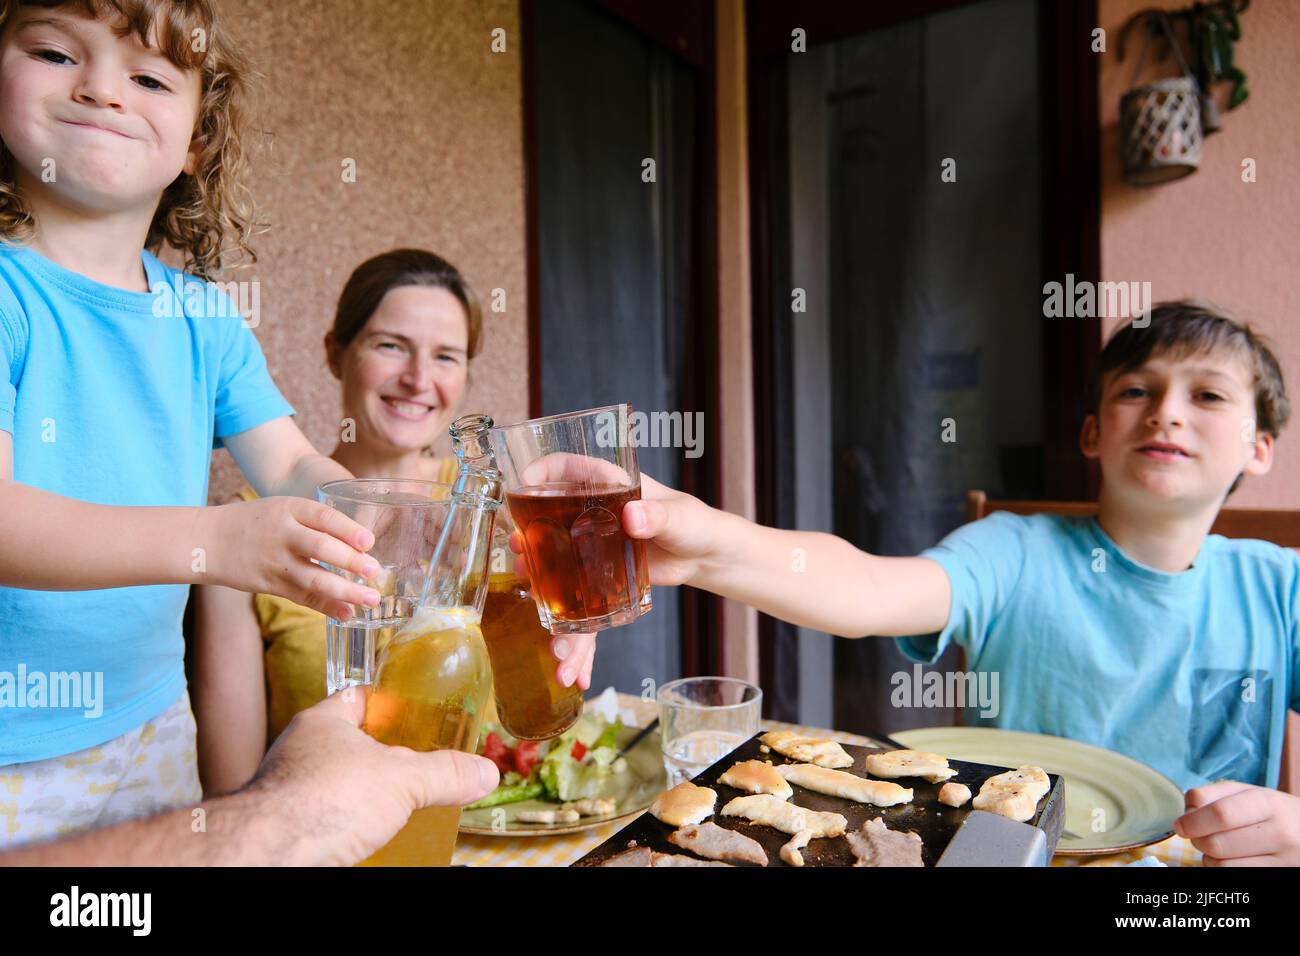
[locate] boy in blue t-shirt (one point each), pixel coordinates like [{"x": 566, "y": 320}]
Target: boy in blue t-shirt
[
  {"x": 1136, "y": 630},
  {"x": 121, "y": 133}
]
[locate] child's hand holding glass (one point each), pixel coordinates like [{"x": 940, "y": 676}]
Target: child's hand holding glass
[{"x": 276, "y": 546}]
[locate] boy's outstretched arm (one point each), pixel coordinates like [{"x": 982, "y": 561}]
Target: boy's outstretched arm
[
  {"x": 52, "y": 543},
  {"x": 277, "y": 459},
  {"x": 808, "y": 578}
]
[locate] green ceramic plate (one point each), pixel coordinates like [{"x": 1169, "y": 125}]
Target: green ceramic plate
[
  {"x": 633, "y": 791},
  {"x": 1112, "y": 802}
]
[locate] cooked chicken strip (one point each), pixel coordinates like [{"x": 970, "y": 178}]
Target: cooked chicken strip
[
  {"x": 551, "y": 817},
  {"x": 877, "y": 845},
  {"x": 837, "y": 783},
  {"x": 684, "y": 804},
  {"x": 954, "y": 794},
  {"x": 636, "y": 856},
  {"x": 786, "y": 817},
  {"x": 1014, "y": 794},
  {"x": 681, "y": 859},
  {"x": 824, "y": 753},
  {"x": 753, "y": 776},
  {"x": 1031, "y": 779},
  {"x": 644, "y": 856},
  {"x": 910, "y": 763},
  {"x": 718, "y": 843},
  {"x": 790, "y": 854},
  {"x": 591, "y": 808}
]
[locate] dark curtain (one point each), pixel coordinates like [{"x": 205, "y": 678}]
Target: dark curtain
[
  {"x": 616, "y": 256},
  {"x": 933, "y": 335}
]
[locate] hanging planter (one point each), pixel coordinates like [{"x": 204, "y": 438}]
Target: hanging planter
[
  {"x": 1214, "y": 28},
  {"x": 1160, "y": 122}
]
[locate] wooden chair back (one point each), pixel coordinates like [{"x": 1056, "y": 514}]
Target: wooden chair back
[{"x": 1280, "y": 527}]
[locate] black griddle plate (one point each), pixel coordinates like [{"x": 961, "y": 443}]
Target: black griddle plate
[{"x": 934, "y": 822}]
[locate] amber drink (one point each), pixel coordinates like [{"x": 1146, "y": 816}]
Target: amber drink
[
  {"x": 568, "y": 478},
  {"x": 432, "y": 683},
  {"x": 583, "y": 565},
  {"x": 433, "y": 679},
  {"x": 531, "y": 701}
]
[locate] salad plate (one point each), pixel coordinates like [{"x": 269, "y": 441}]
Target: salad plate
[{"x": 580, "y": 764}]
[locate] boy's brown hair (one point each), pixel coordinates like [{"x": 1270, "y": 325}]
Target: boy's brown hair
[
  {"x": 1188, "y": 327},
  {"x": 208, "y": 217}
]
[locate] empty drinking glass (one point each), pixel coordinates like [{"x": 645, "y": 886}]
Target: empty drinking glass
[
  {"x": 703, "y": 719},
  {"x": 405, "y": 516}
]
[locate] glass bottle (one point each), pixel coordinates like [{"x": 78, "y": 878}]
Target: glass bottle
[
  {"x": 433, "y": 678},
  {"x": 531, "y": 702}
]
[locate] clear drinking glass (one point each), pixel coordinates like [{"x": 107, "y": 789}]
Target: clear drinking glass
[
  {"x": 406, "y": 517},
  {"x": 567, "y": 478},
  {"x": 703, "y": 719}
]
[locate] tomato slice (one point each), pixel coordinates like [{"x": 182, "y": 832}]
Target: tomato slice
[
  {"x": 526, "y": 757},
  {"x": 578, "y": 751},
  {"x": 494, "y": 749}
]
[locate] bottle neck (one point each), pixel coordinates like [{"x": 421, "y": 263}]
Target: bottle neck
[
  {"x": 458, "y": 573},
  {"x": 478, "y": 473}
]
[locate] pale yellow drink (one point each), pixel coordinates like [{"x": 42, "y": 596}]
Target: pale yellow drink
[{"x": 432, "y": 686}]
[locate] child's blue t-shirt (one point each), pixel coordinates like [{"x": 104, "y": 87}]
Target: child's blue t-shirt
[
  {"x": 1190, "y": 673},
  {"x": 112, "y": 397}
]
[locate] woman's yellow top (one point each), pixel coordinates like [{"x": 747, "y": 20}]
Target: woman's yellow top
[{"x": 293, "y": 641}]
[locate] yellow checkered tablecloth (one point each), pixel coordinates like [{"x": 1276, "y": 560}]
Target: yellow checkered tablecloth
[
  {"x": 566, "y": 848},
  {"x": 1172, "y": 852}
]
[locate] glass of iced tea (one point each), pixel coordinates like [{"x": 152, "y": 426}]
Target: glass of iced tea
[
  {"x": 531, "y": 702},
  {"x": 405, "y": 517},
  {"x": 567, "y": 478}
]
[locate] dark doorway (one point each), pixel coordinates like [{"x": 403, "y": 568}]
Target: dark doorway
[
  {"x": 909, "y": 178},
  {"x": 617, "y": 106}
]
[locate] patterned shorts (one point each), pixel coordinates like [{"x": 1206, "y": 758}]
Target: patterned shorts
[{"x": 143, "y": 772}]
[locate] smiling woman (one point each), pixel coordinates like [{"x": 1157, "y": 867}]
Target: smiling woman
[
  {"x": 406, "y": 327},
  {"x": 405, "y": 330}
]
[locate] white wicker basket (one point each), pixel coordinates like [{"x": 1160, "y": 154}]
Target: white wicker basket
[
  {"x": 1160, "y": 122},
  {"x": 1160, "y": 131}
]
